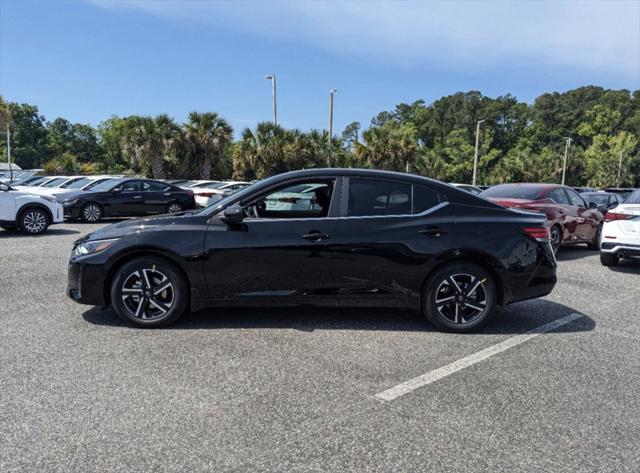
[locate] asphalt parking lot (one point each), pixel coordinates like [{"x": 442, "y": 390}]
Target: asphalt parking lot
[{"x": 295, "y": 389}]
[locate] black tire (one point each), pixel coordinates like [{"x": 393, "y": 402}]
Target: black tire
[
  {"x": 91, "y": 212},
  {"x": 609, "y": 259},
  {"x": 154, "y": 310},
  {"x": 34, "y": 221},
  {"x": 595, "y": 244},
  {"x": 174, "y": 207},
  {"x": 447, "y": 308},
  {"x": 555, "y": 238}
]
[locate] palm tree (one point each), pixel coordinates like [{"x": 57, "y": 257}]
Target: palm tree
[
  {"x": 207, "y": 135},
  {"x": 389, "y": 146},
  {"x": 263, "y": 152}
]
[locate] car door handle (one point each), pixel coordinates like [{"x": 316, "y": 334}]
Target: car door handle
[
  {"x": 167, "y": 193},
  {"x": 432, "y": 232},
  {"x": 315, "y": 236},
  {"x": 137, "y": 197}
]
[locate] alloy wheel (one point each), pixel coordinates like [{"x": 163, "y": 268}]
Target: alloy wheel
[
  {"x": 555, "y": 239},
  {"x": 34, "y": 221},
  {"x": 174, "y": 208},
  {"x": 147, "y": 294},
  {"x": 92, "y": 213},
  {"x": 461, "y": 298}
]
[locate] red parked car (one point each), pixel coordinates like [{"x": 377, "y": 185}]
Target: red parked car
[{"x": 571, "y": 220}]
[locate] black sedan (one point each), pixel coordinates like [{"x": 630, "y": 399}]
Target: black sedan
[
  {"x": 364, "y": 238},
  {"x": 126, "y": 197}
]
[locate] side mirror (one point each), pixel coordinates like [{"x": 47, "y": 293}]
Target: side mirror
[
  {"x": 233, "y": 214},
  {"x": 593, "y": 205}
]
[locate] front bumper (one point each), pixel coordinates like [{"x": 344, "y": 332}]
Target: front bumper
[{"x": 85, "y": 283}]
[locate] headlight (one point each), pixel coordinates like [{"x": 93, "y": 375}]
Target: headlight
[
  {"x": 70, "y": 201},
  {"x": 48, "y": 198},
  {"x": 92, "y": 247}
]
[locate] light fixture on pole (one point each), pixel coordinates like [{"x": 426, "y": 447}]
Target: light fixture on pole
[
  {"x": 331, "y": 94},
  {"x": 475, "y": 156},
  {"x": 9, "y": 153},
  {"x": 566, "y": 154},
  {"x": 272, "y": 78}
]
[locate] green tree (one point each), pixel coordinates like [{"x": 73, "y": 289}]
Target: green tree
[
  {"x": 207, "y": 136},
  {"x": 390, "y": 146}
]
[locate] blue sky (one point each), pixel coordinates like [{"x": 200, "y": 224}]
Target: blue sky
[{"x": 88, "y": 60}]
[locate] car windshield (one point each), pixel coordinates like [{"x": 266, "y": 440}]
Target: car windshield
[
  {"x": 97, "y": 182},
  {"x": 56, "y": 182},
  {"x": 210, "y": 185},
  {"x": 598, "y": 198},
  {"x": 107, "y": 185},
  {"x": 634, "y": 198},
  {"x": 513, "y": 192},
  {"x": 77, "y": 184}
]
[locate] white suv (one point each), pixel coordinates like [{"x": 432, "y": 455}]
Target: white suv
[
  {"x": 29, "y": 212},
  {"x": 620, "y": 236}
]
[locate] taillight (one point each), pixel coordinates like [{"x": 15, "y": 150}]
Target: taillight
[
  {"x": 538, "y": 233},
  {"x": 611, "y": 216},
  {"x": 206, "y": 194}
]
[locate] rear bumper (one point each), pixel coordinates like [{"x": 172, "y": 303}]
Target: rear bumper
[
  {"x": 619, "y": 248},
  {"x": 538, "y": 282}
]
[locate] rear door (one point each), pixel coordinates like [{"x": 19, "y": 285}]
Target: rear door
[
  {"x": 155, "y": 197},
  {"x": 386, "y": 235}
]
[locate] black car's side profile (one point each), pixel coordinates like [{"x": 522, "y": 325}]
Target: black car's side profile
[
  {"x": 360, "y": 238},
  {"x": 126, "y": 197}
]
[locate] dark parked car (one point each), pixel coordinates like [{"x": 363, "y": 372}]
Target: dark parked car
[
  {"x": 371, "y": 238},
  {"x": 126, "y": 197},
  {"x": 581, "y": 190},
  {"x": 571, "y": 220},
  {"x": 604, "y": 200},
  {"x": 623, "y": 192}
]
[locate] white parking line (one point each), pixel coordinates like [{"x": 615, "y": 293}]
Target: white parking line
[{"x": 432, "y": 376}]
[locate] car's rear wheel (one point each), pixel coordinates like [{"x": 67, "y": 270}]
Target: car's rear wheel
[
  {"x": 34, "y": 221},
  {"x": 595, "y": 244},
  {"x": 91, "y": 213},
  {"x": 555, "y": 238},
  {"x": 174, "y": 207},
  {"x": 149, "y": 292},
  {"x": 609, "y": 259},
  {"x": 459, "y": 297}
]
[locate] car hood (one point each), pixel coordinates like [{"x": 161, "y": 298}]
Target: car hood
[
  {"x": 69, "y": 195},
  {"x": 136, "y": 225}
]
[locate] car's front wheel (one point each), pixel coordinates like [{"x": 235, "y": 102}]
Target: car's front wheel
[
  {"x": 91, "y": 213},
  {"x": 459, "y": 297},
  {"x": 34, "y": 221},
  {"x": 149, "y": 292}
]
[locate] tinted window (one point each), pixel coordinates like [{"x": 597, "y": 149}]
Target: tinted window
[
  {"x": 76, "y": 184},
  {"x": 600, "y": 199},
  {"x": 374, "y": 197},
  {"x": 56, "y": 182},
  {"x": 575, "y": 198},
  {"x": 131, "y": 186},
  {"x": 634, "y": 198},
  {"x": 424, "y": 199},
  {"x": 514, "y": 191},
  {"x": 559, "y": 197},
  {"x": 154, "y": 187}
]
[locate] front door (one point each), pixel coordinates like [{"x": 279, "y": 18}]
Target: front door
[
  {"x": 127, "y": 200},
  {"x": 281, "y": 249}
]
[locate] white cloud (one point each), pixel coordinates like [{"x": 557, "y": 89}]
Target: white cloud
[{"x": 602, "y": 35}]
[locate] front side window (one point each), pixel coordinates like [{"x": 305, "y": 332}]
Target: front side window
[
  {"x": 370, "y": 197},
  {"x": 131, "y": 186},
  {"x": 288, "y": 202}
]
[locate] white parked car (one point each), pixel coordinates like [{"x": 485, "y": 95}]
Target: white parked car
[
  {"x": 299, "y": 197},
  {"x": 211, "y": 192},
  {"x": 620, "y": 236},
  {"x": 30, "y": 213}
]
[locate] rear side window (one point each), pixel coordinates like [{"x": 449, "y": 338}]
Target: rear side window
[
  {"x": 575, "y": 198},
  {"x": 375, "y": 197},
  {"x": 559, "y": 197},
  {"x": 131, "y": 186},
  {"x": 154, "y": 187},
  {"x": 424, "y": 199}
]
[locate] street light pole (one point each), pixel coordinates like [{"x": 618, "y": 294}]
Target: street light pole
[
  {"x": 272, "y": 78},
  {"x": 619, "y": 168},
  {"x": 331, "y": 94},
  {"x": 566, "y": 153},
  {"x": 9, "y": 153},
  {"x": 475, "y": 156}
]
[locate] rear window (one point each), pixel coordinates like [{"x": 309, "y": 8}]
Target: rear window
[
  {"x": 513, "y": 192},
  {"x": 369, "y": 197},
  {"x": 634, "y": 198}
]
